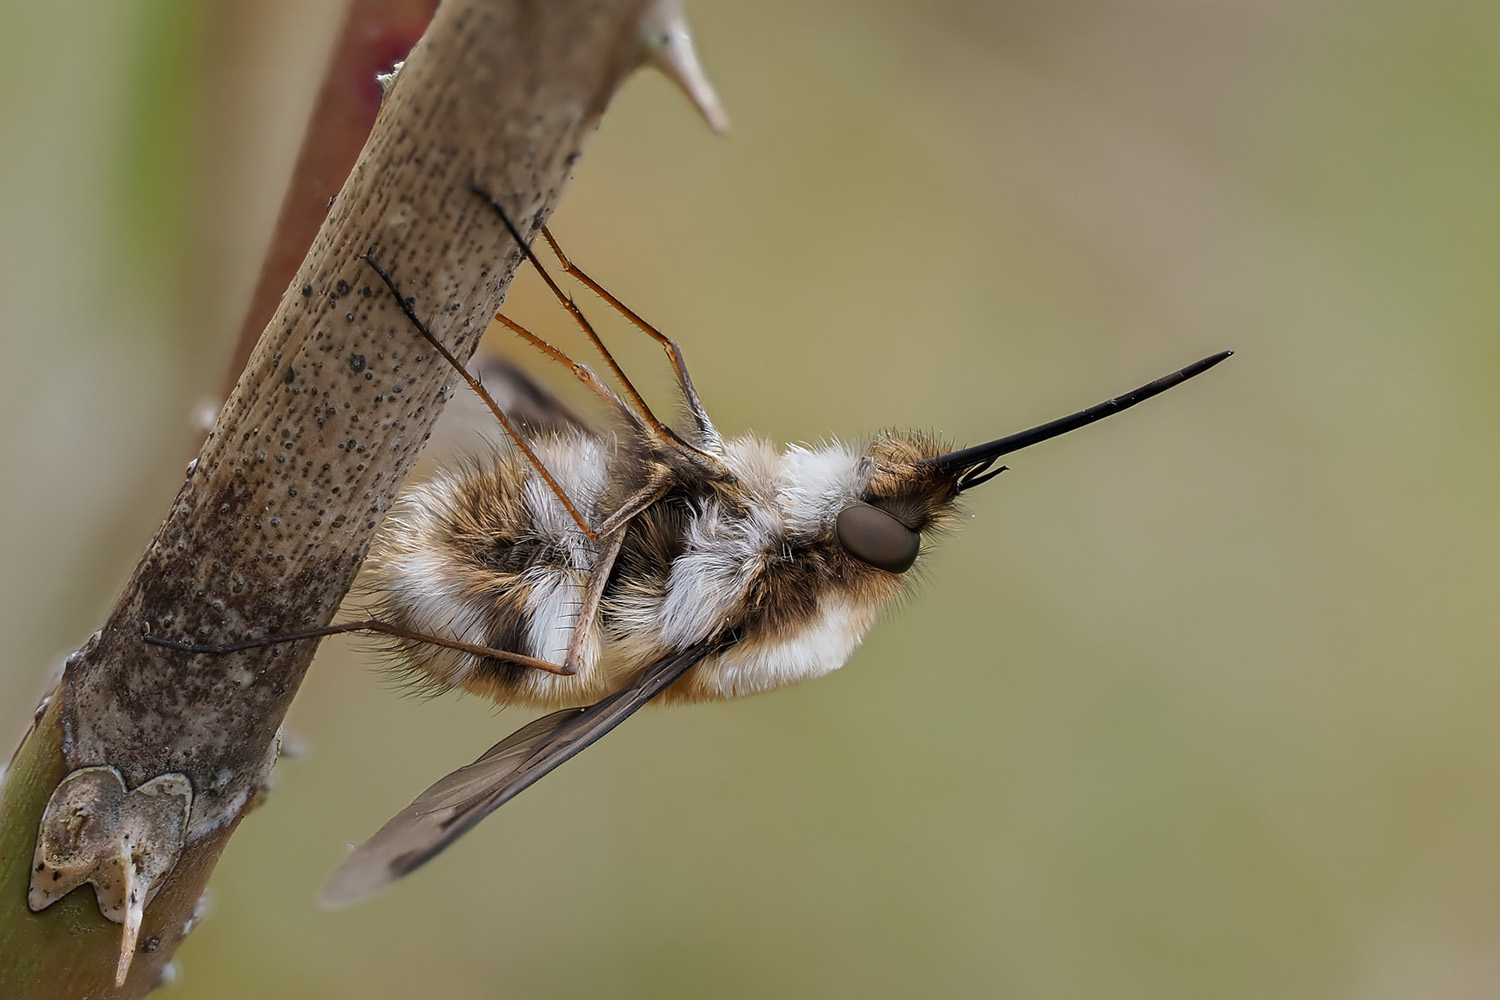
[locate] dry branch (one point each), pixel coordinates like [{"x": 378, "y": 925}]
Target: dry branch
[
  {"x": 277, "y": 512},
  {"x": 376, "y": 33}
]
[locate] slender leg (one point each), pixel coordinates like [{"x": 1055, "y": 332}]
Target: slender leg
[
  {"x": 657, "y": 428},
  {"x": 473, "y": 382},
  {"x": 613, "y": 529},
  {"x": 637, "y": 502},
  {"x": 369, "y": 625},
  {"x": 587, "y": 619},
  {"x": 583, "y": 626},
  {"x": 583, "y": 372},
  {"x": 674, "y": 353}
]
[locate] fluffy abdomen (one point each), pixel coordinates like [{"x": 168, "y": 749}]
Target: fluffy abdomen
[{"x": 486, "y": 554}]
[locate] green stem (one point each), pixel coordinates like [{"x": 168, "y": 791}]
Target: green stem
[{"x": 68, "y": 951}]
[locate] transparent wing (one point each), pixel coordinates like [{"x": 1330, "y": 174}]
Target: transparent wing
[
  {"x": 534, "y": 408},
  {"x": 452, "y": 806}
]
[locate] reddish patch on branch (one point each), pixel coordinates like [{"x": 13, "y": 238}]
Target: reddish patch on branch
[{"x": 376, "y": 35}]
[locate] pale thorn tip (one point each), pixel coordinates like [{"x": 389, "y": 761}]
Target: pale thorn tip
[
  {"x": 668, "y": 46},
  {"x": 135, "y": 908}
]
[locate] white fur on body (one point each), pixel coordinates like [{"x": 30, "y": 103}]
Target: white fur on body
[{"x": 795, "y": 495}]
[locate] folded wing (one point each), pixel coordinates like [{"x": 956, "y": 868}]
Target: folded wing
[{"x": 456, "y": 803}]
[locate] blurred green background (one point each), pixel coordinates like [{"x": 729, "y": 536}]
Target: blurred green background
[{"x": 1200, "y": 703}]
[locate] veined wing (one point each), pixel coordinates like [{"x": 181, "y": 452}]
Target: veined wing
[{"x": 456, "y": 803}]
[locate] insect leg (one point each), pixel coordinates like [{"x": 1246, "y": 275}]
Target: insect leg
[
  {"x": 659, "y": 430},
  {"x": 587, "y": 621},
  {"x": 583, "y": 372},
  {"x": 531, "y": 456},
  {"x": 613, "y": 529},
  {"x": 674, "y": 353},
  {"x": 366, "y": 625}
]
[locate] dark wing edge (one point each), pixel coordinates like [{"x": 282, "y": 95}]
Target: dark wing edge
[
  {"x": 531, "y": 406},
  {"x": 526, "y": 400},
  {"x": 456, "y": 803}
]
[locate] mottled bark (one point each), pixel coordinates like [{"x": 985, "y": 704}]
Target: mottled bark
[
  {"x": 276, "y": 513},
  {"x": 376, "y": 34}
]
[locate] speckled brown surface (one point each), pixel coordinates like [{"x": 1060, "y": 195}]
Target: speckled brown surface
[{"x": 276, "y": 513}]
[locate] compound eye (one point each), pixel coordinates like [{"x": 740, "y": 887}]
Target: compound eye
[{"x": 872, "y": 536}]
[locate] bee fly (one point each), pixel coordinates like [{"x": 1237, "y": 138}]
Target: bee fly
[{"x": 595, "y": 571}]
